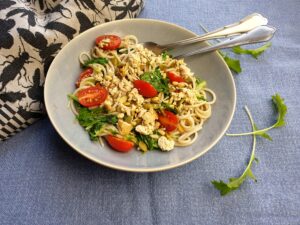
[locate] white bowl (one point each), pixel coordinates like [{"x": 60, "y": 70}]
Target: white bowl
[{"x": 65, "y": 69}]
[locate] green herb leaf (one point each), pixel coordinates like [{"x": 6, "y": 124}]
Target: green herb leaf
[
  {"x": 73, "y": 97},
  {"x": 263, "y": 134},
  {"x": 94, "y": 119},
  {"x": 113, "y": 132},
  {"x": 201, "y": 98},
  {"x": 130, "y": 137},
  {"x": 281, "y": 109},
  {"x": 200, "y": 84},
  {"x": 253, "y": 52},
  {"x": 233, "y": 64},
  {"x": 100, "y": 60},
  {"x": 152, "y": 144},
  {"x": 235, "y": 182},
  {"x": 164, "y": 55},
  {"x": 169, "y": 107},
  {"x": 157, "y": 81},
  {"x": 222, "y": 187}
]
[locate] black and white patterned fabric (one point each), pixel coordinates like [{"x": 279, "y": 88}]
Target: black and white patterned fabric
[{"x": 31, "y": 33}]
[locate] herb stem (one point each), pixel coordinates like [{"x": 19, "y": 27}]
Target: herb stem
[
  {"x": 235, "y": 182},
  {"x": 252, "y": 157},
  {"x": 253, "y": 132}
]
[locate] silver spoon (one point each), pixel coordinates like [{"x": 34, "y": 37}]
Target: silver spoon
[
  {"x": 244, "y": 25},
  {"x": 257, "y": 35}
]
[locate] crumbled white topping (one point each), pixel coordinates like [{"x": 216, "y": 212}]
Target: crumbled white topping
[
  {"x": 135, "y": 96},
  {"x": 146, "y": 130},
  {"x": 150, "y": 117},
  {"x": 165, "y": 144}
]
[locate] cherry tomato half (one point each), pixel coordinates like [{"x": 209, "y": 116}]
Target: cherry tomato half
[
  {"x": 113, "y": 43},
  {"x": 173, "y": 77},
  {"x": 145, "y": 89},
  {"x": 92, "y": 96},
  {"x": 85, "y": 74},
  {"x": 119, "y": 144},
  {"x": 168, "y": 120}
]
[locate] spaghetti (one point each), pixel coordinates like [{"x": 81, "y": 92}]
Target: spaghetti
[{"x": 174, "y": 112}]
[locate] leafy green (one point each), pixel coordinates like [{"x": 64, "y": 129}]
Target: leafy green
[
  {"x": 130, "y": 137},
  {"x": 113, "y": 132},
  {"x": 253, "y": 52},
  {"x": 235, "y": 182},
  {"x": 100, "y": 60},
  {"x": 94, "y": 119},
  {"x": 164, "y": 55},
  {"x": 200, "y": 84},
  {"x": 201, "y": 98},
  {"x": 281, "y": 111},
  {"x": 263, "y": 134},
  {"x": 169, "y": 107},
  {"x": 233, "y": 64},
  {"x": 281, "y": 108},
  {"x": 73, "y": 97},
  {"x": 152, "y": 144},
  {"x": 157, "y": 81}
]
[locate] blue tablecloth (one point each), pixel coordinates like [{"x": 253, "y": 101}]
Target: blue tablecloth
[{"x": 43, "y": 181}]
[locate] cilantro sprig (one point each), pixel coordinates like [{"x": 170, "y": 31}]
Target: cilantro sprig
[
  {"x": 281, "y": 109},
  {"x": 94, "y": 119},
  {"x": 165, "y": 54},
  {"x": 233, "y": 64},
  {"x": 168, "y": 107},
  {"x": 73, "y": 97},
  {"x": 100, "y": 60},
  {"x": 235, "y": 182},
  {"x": 157, "y": 81},
  {"x": 253, "y": 52},
  {"x": 150, "y": 142}
]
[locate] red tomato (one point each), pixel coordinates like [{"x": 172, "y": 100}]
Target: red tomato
[
  {"x": 85, "y": 74},
  {"x": 114, "y": 41},
  {"x": 92, "y": 96},
  {"x": 168, "y": 120},
  {"x": 119, "y": 144},
  {"x": 173, "y": 77},
  {"x": 145, "y": 89}
]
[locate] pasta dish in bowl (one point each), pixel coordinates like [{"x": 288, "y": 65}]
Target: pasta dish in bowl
[
  {"x": 163, "y": 112},
  {"x": 130, "y": 96}
]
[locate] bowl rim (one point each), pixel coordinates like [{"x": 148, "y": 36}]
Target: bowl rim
[{"x": 124, "y": 168}]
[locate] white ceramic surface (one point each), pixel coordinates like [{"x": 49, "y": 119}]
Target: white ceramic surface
[{"x": 65, "y": 69}]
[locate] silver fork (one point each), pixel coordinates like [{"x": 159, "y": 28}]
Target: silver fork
[
  {"x": 256, "y": 35},
  {"x": 246, "y": 24}
]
